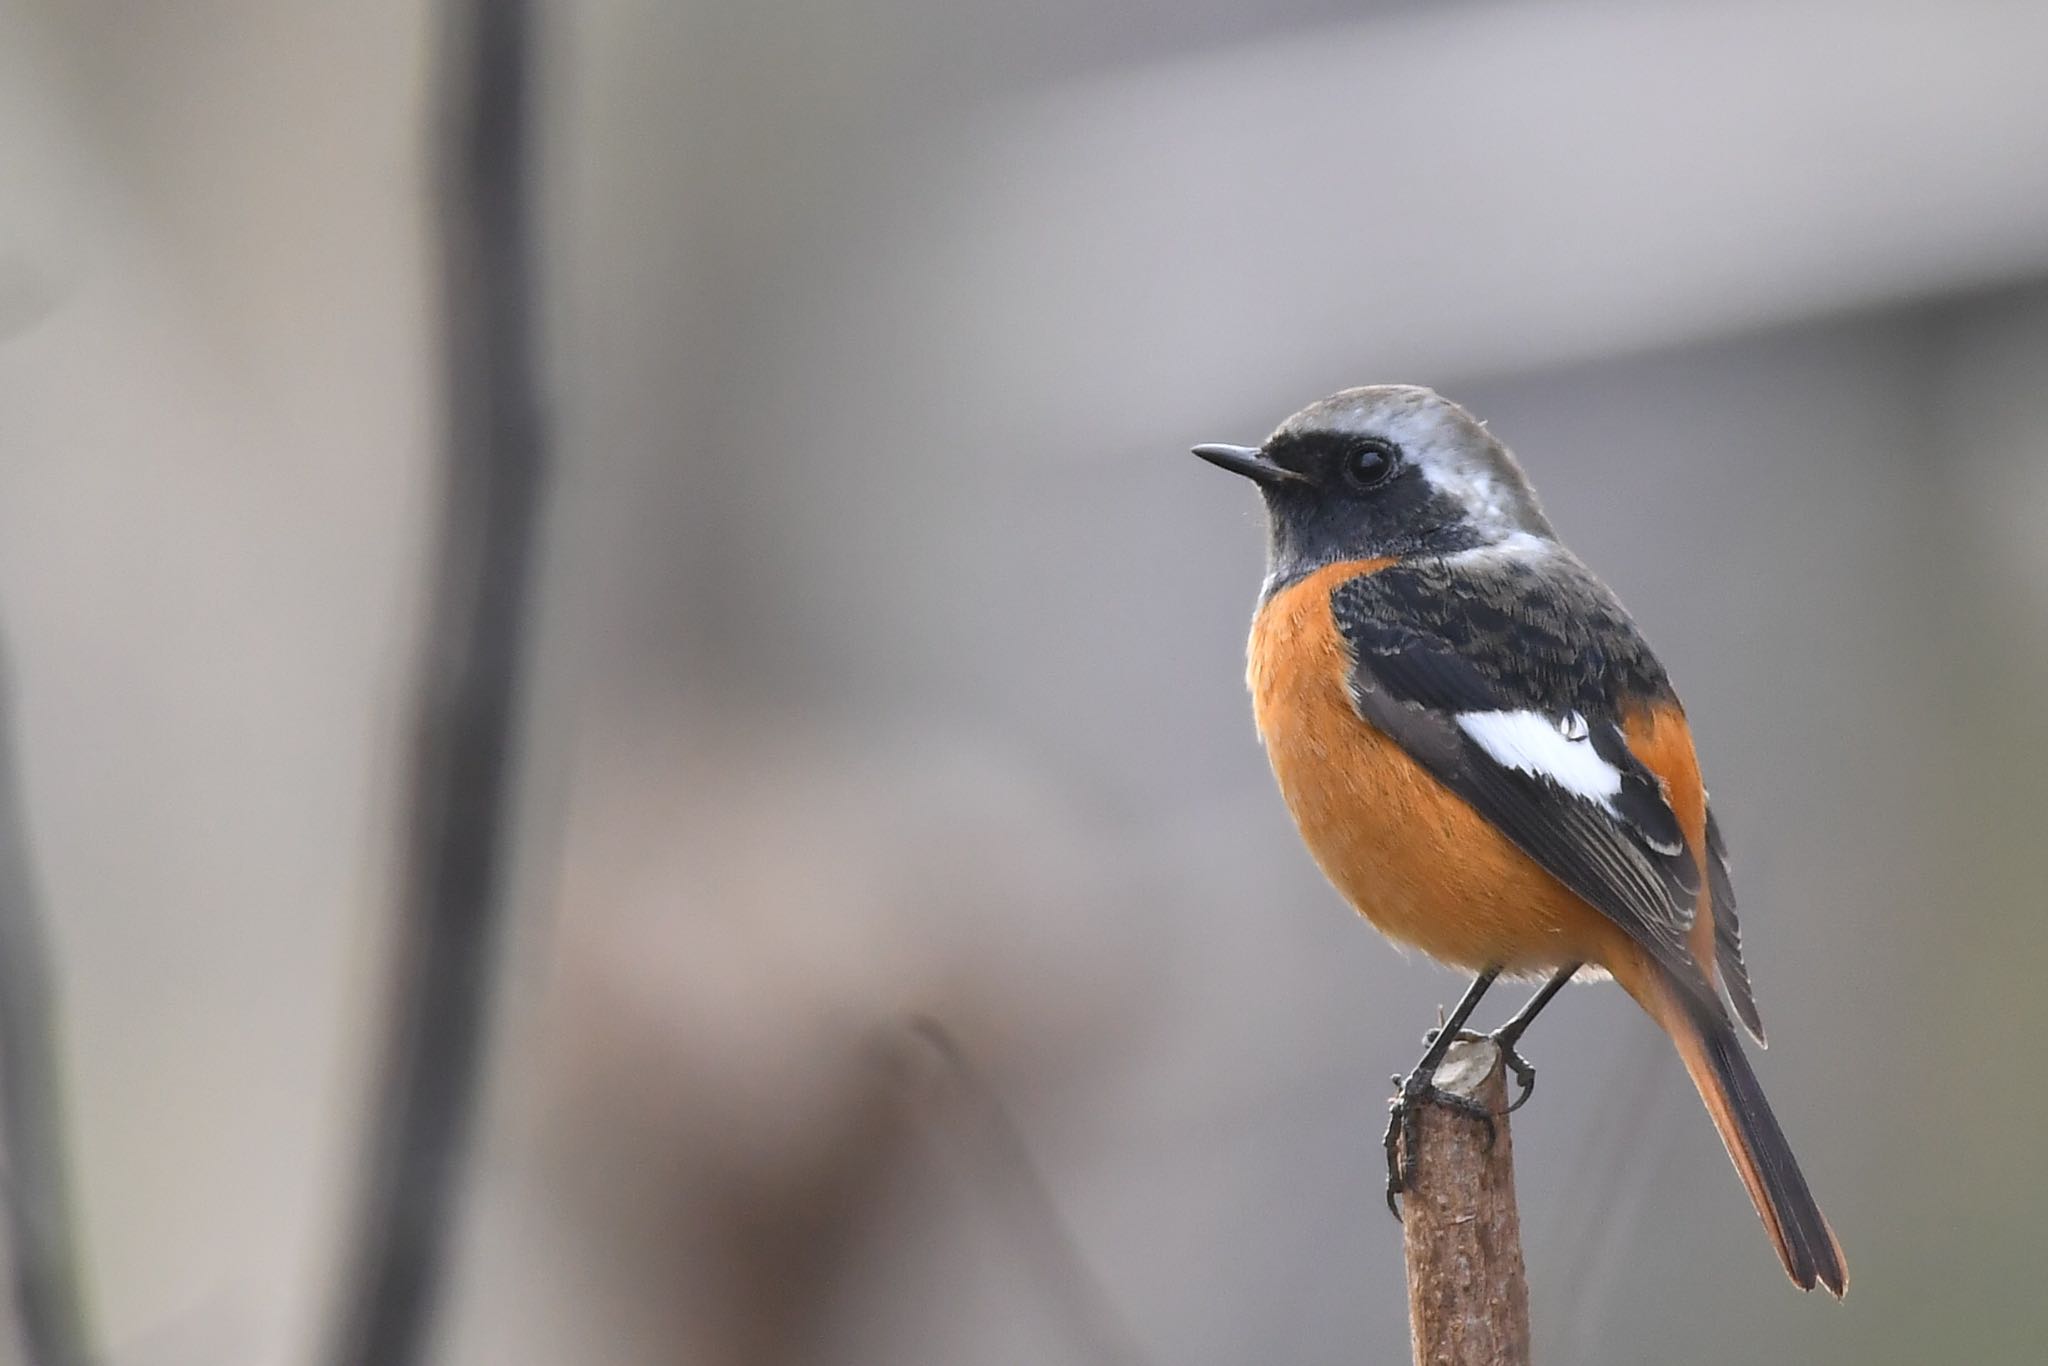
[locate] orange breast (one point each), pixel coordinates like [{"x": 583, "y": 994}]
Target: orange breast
[{"x": 1404, "y": 850}]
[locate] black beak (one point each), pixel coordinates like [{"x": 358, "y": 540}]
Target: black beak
[{"x": 1248, "y": 461}]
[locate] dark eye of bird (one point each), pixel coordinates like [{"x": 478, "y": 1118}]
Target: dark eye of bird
[{"x": 1371, "y": 464}]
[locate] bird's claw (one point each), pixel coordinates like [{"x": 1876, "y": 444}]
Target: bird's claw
[
  {"x": 1403, "y": 1138},
  {"x": 1523, "y": 1069}
]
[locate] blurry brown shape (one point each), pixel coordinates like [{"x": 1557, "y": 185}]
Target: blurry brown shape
[
  {"x": 785, "y": 1240},
  {"x": 753, "y": 1128},
  {"x": 782, "y": 1237}
]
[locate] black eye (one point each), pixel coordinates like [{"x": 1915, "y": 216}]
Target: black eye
[{"x": 1371, "y": 463}]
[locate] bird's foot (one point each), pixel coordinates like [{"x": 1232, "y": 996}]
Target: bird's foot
[
  {"x": 1504, "y": 1039},
  {"x": 1404, "y": 1122},
  {"x": 1524, "y": 1071}
]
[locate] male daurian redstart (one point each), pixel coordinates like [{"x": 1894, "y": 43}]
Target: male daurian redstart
[{"x": 1486, "y": 759}]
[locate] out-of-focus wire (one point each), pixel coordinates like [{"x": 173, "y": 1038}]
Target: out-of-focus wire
[
  {"x": 1617, "y": 1165},
  {"x": 1028, "y": 1213}
]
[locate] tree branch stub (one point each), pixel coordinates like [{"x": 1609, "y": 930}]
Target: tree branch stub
[{"x": 1468, "y": 1294}]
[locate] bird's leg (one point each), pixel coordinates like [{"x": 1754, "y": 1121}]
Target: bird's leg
[
  {"x": 1510, "y": 1033},
  {"x": 1418, "y": 1088}
]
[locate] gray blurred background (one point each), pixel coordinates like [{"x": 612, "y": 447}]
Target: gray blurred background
[{"x": 891, "y": 664}]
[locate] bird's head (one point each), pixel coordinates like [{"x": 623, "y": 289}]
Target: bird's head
[{"x": 1390, "y": 470}]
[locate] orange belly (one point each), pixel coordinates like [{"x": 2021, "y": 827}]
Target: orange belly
[{"x": 1410, "y": 855}]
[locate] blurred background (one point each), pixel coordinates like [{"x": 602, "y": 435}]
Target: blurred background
[{"x": 891, "y": 659}]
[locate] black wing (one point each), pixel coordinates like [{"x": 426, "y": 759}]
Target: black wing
[
  {"x": 1434, "y": 653},
  {"x": 1728, "y": 934}
]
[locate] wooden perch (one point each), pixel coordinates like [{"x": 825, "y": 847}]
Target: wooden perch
[{"x": 1468, "y": 1297}]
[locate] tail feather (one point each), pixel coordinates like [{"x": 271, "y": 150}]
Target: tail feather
[{"x": 1762, "y": 1156}]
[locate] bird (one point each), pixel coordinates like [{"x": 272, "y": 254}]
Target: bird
[{"x": 1487, "y": 761}]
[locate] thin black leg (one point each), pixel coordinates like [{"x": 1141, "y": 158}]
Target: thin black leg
[
  {"x": 1418, "y": 1088},
  {"x": 1510, "y": 1033}
]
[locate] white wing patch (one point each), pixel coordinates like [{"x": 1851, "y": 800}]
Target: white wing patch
[
  {"x": 1560, "y": 750},
  {"x": 1515, "y": 545}
]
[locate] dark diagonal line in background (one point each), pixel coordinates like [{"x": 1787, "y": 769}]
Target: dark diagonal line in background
[{"x": 1030, "y": 1215}]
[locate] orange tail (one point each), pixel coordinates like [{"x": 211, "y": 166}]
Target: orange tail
[{"x": 1735, "y": 1099}]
